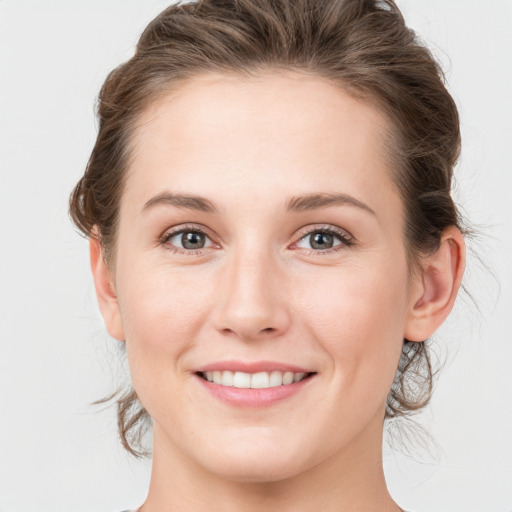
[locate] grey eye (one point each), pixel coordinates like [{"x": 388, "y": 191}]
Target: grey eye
[
  {"x": 188, "y": 239},
  {"x": 320, "y": 240},
  {"x": 192, "y": 240}
]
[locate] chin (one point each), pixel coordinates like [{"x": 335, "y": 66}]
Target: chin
[
  {"x": 261, "y": 471},
  {"x": 255, "y": 466}
]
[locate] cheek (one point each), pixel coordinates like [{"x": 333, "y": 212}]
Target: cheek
[
  {"x": 358, "y": 316},
  {"x": 162, "y": 311}
]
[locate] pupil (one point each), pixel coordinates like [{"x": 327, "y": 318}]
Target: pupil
[
  {"x": 191, "y": 240},
  {"x": 318, "y": 241}
]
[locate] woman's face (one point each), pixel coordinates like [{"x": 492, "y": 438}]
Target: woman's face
[{"x": 293, "y": 255}]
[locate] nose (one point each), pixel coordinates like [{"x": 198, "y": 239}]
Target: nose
[{"x": 252, "y": 300}]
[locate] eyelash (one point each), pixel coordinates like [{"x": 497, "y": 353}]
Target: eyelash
[{"x": 345, "y": 239}]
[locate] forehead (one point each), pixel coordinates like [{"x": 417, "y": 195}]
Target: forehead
[{"x": 294, "y": 131}]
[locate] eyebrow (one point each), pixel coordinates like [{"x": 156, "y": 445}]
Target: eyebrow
[
  {"x": 188, "y": 201},
  {"x": 300, "y": 203},
  {"x": 323, "y": 200}
]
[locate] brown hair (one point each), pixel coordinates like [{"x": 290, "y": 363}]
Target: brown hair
[{"x": 361, "y": 45}]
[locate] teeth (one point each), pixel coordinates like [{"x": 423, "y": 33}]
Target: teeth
[
  {"x": 240, "y": 380},
  {"x": 298, "y": 376},
  {"x": 259, "y": 380}
]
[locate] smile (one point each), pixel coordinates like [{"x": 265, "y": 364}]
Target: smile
[{"x": 260, "y": 380}]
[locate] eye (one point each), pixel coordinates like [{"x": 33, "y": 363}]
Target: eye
[
  {"x": 325, "y": 239},
  {"x": 187, "y": 240},
  {"x": 191, "y": 240}
]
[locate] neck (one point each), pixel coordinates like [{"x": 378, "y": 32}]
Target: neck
[{"x": 351, "y": 479}]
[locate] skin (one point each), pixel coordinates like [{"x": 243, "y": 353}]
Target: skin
[{"x": 260, "y": 290}]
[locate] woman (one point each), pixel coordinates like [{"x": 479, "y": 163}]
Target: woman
[{"x": 272, "y": 236}]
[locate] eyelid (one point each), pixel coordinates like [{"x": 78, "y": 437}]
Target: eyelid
[{"x": 329, "y": 228}]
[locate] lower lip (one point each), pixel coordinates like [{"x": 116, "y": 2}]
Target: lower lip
[{"x": 254, "y": 398}]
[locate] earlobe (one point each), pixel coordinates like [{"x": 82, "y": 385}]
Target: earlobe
[
  {"x": 438, "y": 287},
  {"x": 105, "y": 291}
]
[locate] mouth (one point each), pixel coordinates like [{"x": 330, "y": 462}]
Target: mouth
[{"x": 259, "y": 380}]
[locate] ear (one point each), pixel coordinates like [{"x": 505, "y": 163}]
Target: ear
[
  {"x": 105, "y": 291},
  {"x": 436, "y": 289}
]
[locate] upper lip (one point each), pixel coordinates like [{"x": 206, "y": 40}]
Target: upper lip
[{"x": 251, "y": 367}]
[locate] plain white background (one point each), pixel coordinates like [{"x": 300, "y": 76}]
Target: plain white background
[{"x": 57, "y": 453}]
